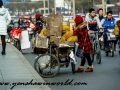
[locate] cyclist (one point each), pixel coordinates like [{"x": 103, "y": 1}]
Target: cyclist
[
  {"x": 93, "y": 23},
  {"x": 100, "y": 14},
  {"x": 109, "y": 21},
  {"x": 101, "y": 17},
  {"x": 39, "y": 24},
  {"x": 20, "y": 21}
]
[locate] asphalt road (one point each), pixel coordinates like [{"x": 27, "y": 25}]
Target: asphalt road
[{"x": 106, "y": 76}]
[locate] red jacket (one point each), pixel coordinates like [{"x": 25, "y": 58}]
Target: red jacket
[{"x": 83, "y": 37}]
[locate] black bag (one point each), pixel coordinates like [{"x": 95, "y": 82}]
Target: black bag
[{"x": 79, "y": 53}]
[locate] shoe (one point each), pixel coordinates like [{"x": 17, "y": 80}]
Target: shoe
[
  {"x": 79, "y": 70},
  {"x": 89, "y": 69},
  {"x": 3, "y": 53}
]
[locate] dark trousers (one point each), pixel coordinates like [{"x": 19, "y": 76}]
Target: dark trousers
[
  {"x": 3, "y": 43},
  {"x": 34, "y": 33},
  {"x": 106, "y": 44},
  {"x": 86, "y": 56}
]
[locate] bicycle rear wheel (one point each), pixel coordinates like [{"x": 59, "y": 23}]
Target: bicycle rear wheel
[
  {"x": 47, "y": 65},
  {"x": 112, "y": 49}
]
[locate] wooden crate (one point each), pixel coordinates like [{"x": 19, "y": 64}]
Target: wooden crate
[{"x": 41, "y": 42}]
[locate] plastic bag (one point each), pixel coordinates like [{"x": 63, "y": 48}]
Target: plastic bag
[{"x": 15, "y": 34}]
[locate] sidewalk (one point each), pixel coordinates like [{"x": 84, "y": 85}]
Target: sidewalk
[{"x": 15, "y": 69}]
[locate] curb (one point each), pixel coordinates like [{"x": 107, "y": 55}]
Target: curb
[{"x": 37, "y": 77}]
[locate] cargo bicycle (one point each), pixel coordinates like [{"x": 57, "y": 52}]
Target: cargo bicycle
[{"x": 49, "y": 63}]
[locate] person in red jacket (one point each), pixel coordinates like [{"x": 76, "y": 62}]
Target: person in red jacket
[{"x": 83, "y": 41}]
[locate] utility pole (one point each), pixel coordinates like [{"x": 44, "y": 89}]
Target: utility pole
[
  {"x": 55, "y": 6},
  {"x": 103, "y": 6}
]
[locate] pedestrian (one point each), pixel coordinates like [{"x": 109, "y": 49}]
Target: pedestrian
[
  {"x": 5, "y": 19},
  {"x": 83, "y": 41}
]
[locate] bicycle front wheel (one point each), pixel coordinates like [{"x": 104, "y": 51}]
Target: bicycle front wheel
[
  {"x": 47, "y": 65},
  {"x": 98, "y": 57}
]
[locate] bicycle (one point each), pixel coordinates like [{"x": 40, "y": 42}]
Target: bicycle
[
  {"x": 111, "y": 40},
  {"x": 48, "y": 64},
  {"x": 96, "y": 48}
]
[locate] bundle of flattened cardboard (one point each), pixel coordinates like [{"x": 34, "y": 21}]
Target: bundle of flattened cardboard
[{"x": 54, "y": 27}]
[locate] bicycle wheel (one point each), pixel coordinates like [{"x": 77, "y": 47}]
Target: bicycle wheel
[
  {"x": 112, "y": 49},
  {"x": 73, "y": 67},
  {"x": 98, "y": 57},
  {"x": 98, "y": 52},
  {"x": 97, "y": 47},
  {"x": 47, "y": 66}
]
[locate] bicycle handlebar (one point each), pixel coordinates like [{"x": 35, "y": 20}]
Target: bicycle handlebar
[{"x": 50, "y": 36}]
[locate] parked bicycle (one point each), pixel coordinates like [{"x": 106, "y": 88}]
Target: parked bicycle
[{"x": 49, "y": 63}]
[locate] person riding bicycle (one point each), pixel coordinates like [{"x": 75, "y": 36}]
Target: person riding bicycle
[
  {"x": 108, "y": 23},
  {"x": 39, "y": 23},
  {"x": 93, "y": 23},
  {"x": 20, "y": 21},
  {"x": 100, "y": 14},
  {"x": 101, "y": 17},
  {"x": 25, "y": 23},
  {"x": 117, "y": 33}
]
